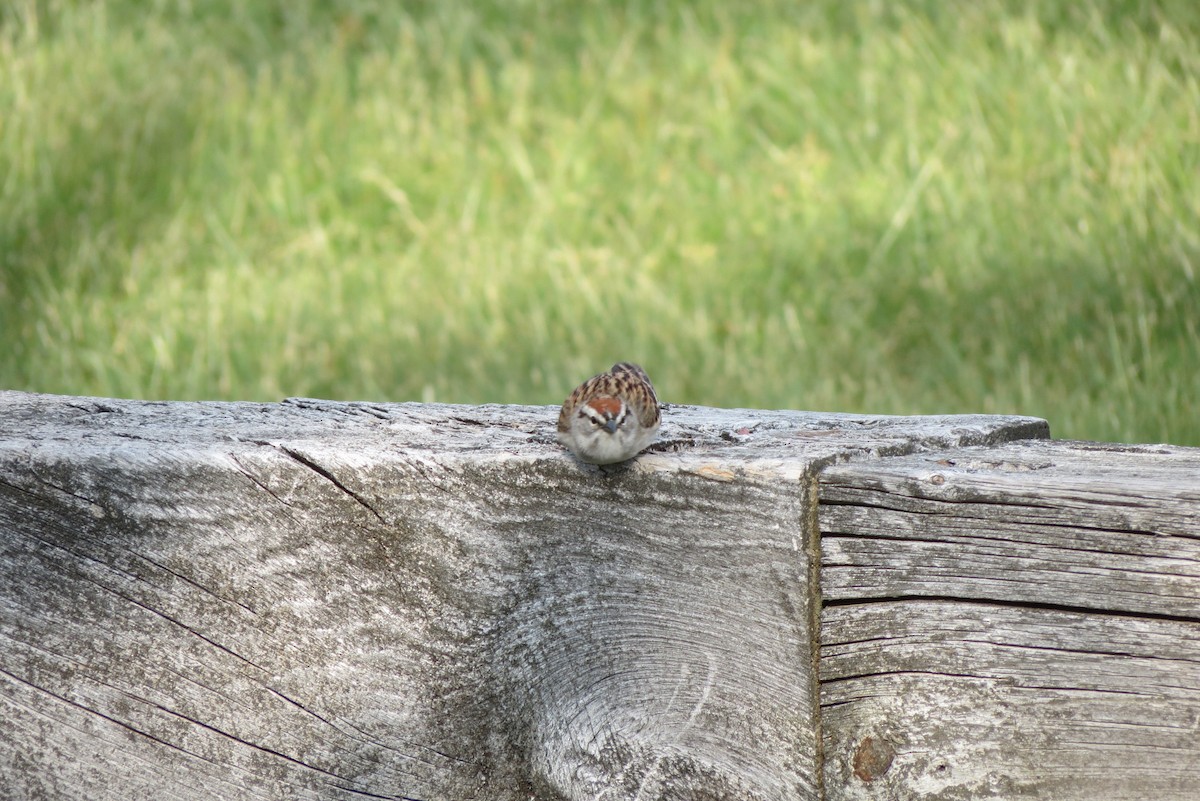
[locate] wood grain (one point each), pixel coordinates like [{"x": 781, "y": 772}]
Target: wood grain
[
  {"x": 1018, "y": 621},
  {"x": 315, "y": 600}
]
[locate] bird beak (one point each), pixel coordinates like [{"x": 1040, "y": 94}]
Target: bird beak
[{"x": 610, "y": 425}]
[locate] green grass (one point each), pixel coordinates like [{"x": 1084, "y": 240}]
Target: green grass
[{"x": 909, "y": 207}]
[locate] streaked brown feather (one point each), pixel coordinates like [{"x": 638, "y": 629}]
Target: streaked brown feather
[{"x": 626, "y": 381}]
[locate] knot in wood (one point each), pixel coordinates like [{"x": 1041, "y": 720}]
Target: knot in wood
[{"x": 872, "y": 758}]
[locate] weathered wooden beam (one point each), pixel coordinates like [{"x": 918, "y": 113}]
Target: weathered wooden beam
[
  {"x": 315, "y": 600},
  {"x": 1018, "y": 621}
]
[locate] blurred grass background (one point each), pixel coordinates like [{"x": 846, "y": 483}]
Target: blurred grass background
[{"x": 886, "y": 207}]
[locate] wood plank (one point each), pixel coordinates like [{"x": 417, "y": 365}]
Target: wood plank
[
  {"x": 319, "y": 600},
  {"x": 1020, "y": 621},
  {"x": 967, "y": 700}
]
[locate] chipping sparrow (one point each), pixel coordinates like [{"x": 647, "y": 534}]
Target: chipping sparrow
[{"x": 610, "y": 417}]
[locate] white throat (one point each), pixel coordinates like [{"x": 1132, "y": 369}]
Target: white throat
[{"x": 595, "y": 444}]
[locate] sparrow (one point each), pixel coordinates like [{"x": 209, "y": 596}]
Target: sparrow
[{"x": 610, "y": 417}]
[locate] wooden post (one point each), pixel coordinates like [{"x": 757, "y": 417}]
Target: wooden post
[{"x": 323, "y": 600}]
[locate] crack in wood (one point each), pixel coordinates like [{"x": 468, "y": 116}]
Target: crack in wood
[
  {"x": 1063, "y": 649},
  {"x": 916, "y": 501},
  {"x": 116, "y": 721},
  {"x": 1058, "y": 688},
  {"x": 194, "y": 583},
  {"x": 1085, "y": 611},
  {"x": 268, "y": 750},
  {"x": 96, "y": 509},
  {"x": 330, "y": 477},
  {"x": 364, "y": 737},
  {"x": 991, "y": 519},
  {"x": 179, "y": 623},
  {"x": 1001, "y": 538},
  {"x": 871, "y": 674},
  {"x": 250, "y": 475}
]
